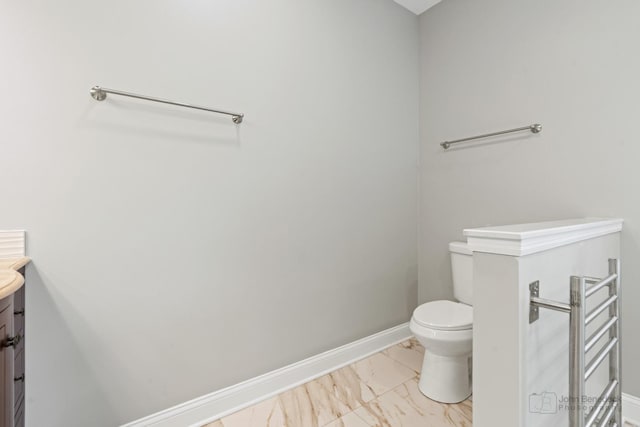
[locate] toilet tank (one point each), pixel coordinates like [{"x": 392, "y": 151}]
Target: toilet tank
[{"x": 462, "y": 271}]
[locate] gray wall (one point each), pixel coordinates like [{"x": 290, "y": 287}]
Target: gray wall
[
  {"x": 173, "y": 253},
  {"x": 495, "y": 64}
]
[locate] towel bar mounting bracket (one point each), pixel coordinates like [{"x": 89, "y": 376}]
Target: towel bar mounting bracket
[
  {"x": 535, "y": 302},
  {"x": 98, "y": 94},
  {"x": 534, "y": 310}
]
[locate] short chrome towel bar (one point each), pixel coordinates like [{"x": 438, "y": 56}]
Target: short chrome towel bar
[
  {"x": 534, "y": 128},
  {"x": 100, "y": 94},
  {"x": 607, "y": 410}
]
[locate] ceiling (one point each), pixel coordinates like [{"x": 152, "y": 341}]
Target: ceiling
[{"x": 417, "y": 6}]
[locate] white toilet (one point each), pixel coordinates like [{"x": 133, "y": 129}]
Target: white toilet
[{"x": 444, "y": 328}]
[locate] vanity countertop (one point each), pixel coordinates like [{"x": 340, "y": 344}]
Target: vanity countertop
[
  {"x": 10, "y": 279},
  {"x": 14, "y": 263}
]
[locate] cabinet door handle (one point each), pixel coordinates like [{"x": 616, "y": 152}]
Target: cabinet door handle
[
  {"x": 20, "y": 378},
  {"x": 21, "y": 312},
  {"x": 12, "y": 341}
]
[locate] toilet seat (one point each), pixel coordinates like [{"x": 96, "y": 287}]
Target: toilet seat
[{"x": 444, "y": 315}]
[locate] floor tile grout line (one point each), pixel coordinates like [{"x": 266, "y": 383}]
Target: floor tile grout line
[
  {"x": 361, "y": 384},
  {"x": 399, "y": 361},
  {"x": 453, "y": 406},
  {"x": 376, "y": 397},
  {"x": 380, "y": 396},
  {"x": 288, "y": 388},
  {"x": 403, "y": 364},
  {"x": 363, "y": 420},
  {"x": 389, "y": 391},
  {"x": 342, "y": 416}
]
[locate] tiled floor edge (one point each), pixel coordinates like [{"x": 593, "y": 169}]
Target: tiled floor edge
[
  {"x": 372, "y": 392},
  {"x": 414, "y": 348},
  {"x": 220, "y": 403}
]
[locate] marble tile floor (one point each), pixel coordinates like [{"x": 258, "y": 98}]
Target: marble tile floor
[{"x": 381, "y": 391}]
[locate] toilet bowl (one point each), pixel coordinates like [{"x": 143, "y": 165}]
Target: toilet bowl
[{"x": 445, "y": 330}]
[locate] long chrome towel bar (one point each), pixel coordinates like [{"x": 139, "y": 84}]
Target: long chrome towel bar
[
  {"x": 534, "y": 128},
  {"x": 100, "y": 94}
]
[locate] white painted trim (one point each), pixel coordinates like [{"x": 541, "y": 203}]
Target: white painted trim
[
  {"x": 526, "y": 239},
  {"x": 213, "y": 406},
  {"x": 631, "y": 408},
  {"x": 12, "y": 244}
]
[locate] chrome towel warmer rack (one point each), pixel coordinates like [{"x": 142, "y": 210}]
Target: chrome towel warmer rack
[
  {"x": 534, "y": 128},
  {"x": 607, "y": 410},
  {"x": 100, "y": 94}
]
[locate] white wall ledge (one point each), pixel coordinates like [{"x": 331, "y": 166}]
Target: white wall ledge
[{"x": 526, "y": 239}]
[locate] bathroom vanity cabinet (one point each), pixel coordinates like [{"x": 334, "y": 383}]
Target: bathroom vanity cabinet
[
  {"x": 12, "y": 351},
  {"x": 12, "y": 327}
]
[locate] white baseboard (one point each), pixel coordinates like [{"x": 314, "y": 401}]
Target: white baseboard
[
  {"x": 210, "y": 407},
  {"x": 631, "y": 408}
]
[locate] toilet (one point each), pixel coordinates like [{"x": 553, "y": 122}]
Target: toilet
[{"x": 444, "y": 328}]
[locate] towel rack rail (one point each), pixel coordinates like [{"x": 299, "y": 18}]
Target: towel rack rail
[
  {"x": 100, "y": 94},
  {"x": 601, "y": 404},
  {"x": 590, "y": 342},
  {"x": 599, "y": 358},
  {"x": 534, "y": 128},
  {"x": 599, "y": 309},
  {"x": 599, "y": 284}
]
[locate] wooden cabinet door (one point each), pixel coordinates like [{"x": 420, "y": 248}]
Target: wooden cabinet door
[{"x": 6, "y": 362}]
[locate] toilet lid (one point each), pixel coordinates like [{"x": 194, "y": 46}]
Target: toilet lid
[{"x": 444, "y": 315}]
